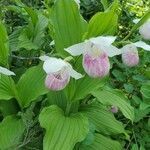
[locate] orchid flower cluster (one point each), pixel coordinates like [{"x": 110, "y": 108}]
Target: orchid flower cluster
[{"x": 96, "y": 53}]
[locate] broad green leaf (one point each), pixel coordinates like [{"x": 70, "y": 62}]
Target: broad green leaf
[
  {"x": 141, "y": 113},
  {"x": 31, "y": 85},
  {"x": 11, "y": 131},
  {"x": 57, "y": 98},
  {"x": 13, "y": 39},
  {"x": 145, "y": 90},
  {"x": 102, "y": 143},
  {"x": 69, "y": 26},
  {"x": 115, "y": 98},
  {"x": 83, "y": 87},
  {"x": 4, "y": 49},
  {"x": 32, "y": 36},
  {"x": 102, "y": 23},
  {"x": 62, "y": 132},
  {"x": 7, "y": 87},
  {"x": 8, "y": 107},
  {"x": 60, "y": 99},
  {"x": 32, "y": 14},
  {"x": 103, "y": 119},
  {"x": 105, "y": 4}
]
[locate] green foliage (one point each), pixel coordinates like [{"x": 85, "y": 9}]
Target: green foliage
[
  {"x": 104, "y": 120},
  {"x": 7, "y": 88},
  {"x": 97, "y": 26},
  {"x": 68, "y": 130},
  {"x": 103, "y": 143},
  {"x": 31, "y": 86},
  {"x": 11, "y": 132},
  {"x": 68, "y": 29},
  {"x": 4, "y": 49},
  {"x": 116, "y": 98}
]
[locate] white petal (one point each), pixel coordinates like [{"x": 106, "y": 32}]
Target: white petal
[
  {"x": 110, "y": 50},
  {"x": 44, "y": 58},
  {"x": 53, "y": 65},
  {"x": 136, "y": 21},
  {"x": 74, "y": 74},
  {"x": 5, "y": 71},
  {"x": 76, "y": 49},
  {"x": 104, "y": 40},
  {"x": 143, "y": 45},
  {"x": 52, "y": 43}
]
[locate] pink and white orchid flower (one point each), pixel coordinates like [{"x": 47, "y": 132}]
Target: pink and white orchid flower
[
  {"x": 130, "y": 55},
  {"x": 144, "y": 30},
  {"x": 58, "y": 73},
  {"x": 5, "y": 71},
  {"x": 95, "y": 54}
]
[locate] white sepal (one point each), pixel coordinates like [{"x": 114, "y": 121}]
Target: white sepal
[
  {"x": 142, "y": 45},
  {"x": 76, "y": 49},
  {"x": 5, "y": 71},
  {"x": 136, "y": 21},
  {"x": 103, "y": 40},
  {"x": 111, "y": 50},
  {"x": 74, "y": 74}
]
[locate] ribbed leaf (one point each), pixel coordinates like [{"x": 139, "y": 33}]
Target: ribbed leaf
[
  {"x": 105, "y": 4},
  {"x": 145, "y": 90},
  {"x": 32, "y": 36},
  {"x": 62, "y": 133},
  {"x": 102, "y": 143},
  {"x": 57, "y": 98},
  {"x": 4, "y": 49},
  {"x": 102, "y": 23},
  {"x": 104, "y": 120},
  {"x": 7, "y": 87},
  {"x": 31, "y": 85},
  {"x": 81, "y": 88},
  {"x": 69, "y": 26},
  {"x": 11, "y": 131},
  {"x": 115, "y": 98}
]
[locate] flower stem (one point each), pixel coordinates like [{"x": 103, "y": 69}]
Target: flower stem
[{"x": 68, "y": 107}]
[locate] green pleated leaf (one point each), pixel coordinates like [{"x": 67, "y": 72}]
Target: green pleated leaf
[
  {"x": 62, "y": 133},
  {"x": 115, "y": 98},
  {"x": 57, "y": 98},
  {"x": 102, "y": 23},
  {"x": 102, "y": 143},
  {"x": 145, "y": 90},
  {"x": 69, "y": 26},
  {"x": 105, "y": 4},
  {"x": 31, "y": 85},
  {"x": 4, "y": 49},
  {"x": 32, "y": 35},
  {"x": 81, "y": 88},
  {"x": 103, "y": 119},
  {"x": 7, "y": 87},
  {"x": 11, "y": 131}
]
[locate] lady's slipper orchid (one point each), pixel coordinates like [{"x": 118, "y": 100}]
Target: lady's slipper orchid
[
  {"x": 58, "y": 73},
  {"x": 130, "y": 55},
  {"x": 144, "y": 30},
  {"x": 95, "y": 54},
  {"x": 5, "y": 71}
]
